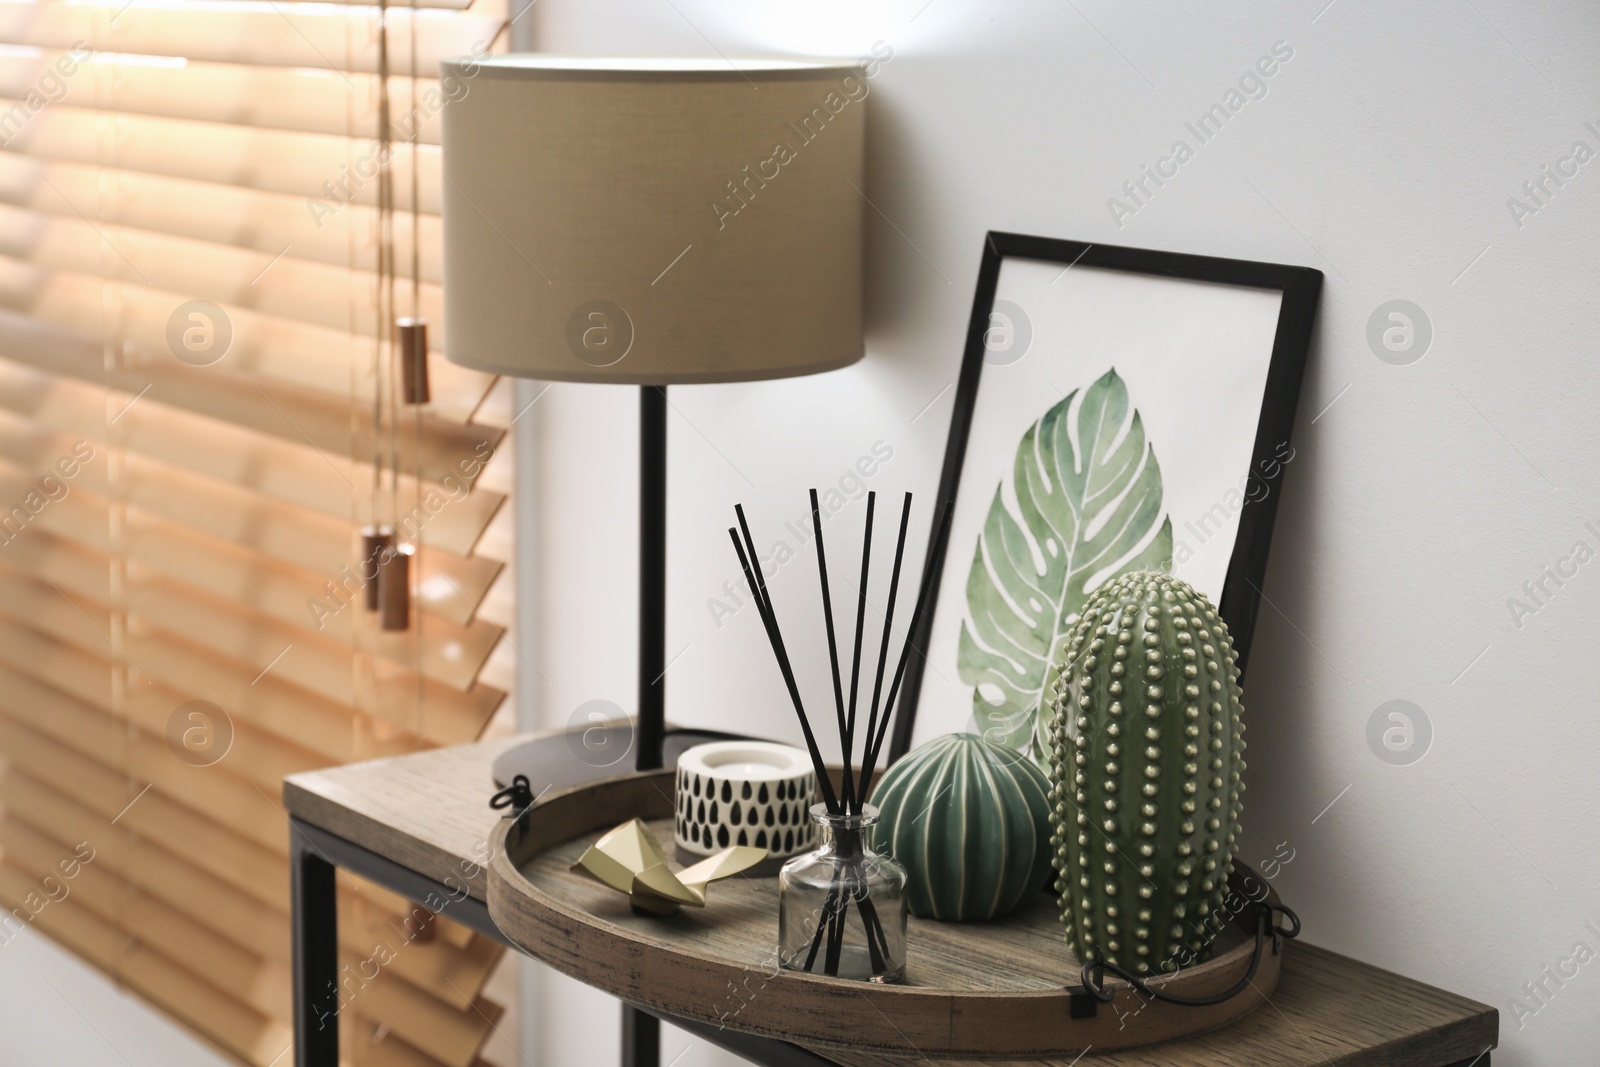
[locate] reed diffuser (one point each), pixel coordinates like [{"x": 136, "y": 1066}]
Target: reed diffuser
[{"x": 842, "y": 907}]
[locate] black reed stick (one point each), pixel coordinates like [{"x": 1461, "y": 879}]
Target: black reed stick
[
  {"x": 835, "y": 937},
  {"x": 833, "y": 644},
  {"x": 770, "y": 620},
  {"x": 759, "y": 590},
  {"x": 822, "y": 926},
  {"x": 883, "y": 650},
  {"x": 941, "y": 529},
  {"x": 851, "y": 801},
  {"x": 877, "y": 943}
]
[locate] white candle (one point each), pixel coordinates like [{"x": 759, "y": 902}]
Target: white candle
[{"x": 738, "y": 772}]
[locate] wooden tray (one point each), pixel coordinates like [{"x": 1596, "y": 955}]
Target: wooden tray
[{"x": 996, "y": 990}]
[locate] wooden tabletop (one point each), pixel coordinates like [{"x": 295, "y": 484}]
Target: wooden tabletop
[
  {"x": 1327, "y": 1010},
  {"x": 430, "y": 812}
]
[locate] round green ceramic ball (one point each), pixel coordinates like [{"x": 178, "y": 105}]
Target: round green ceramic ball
[{"x": 969, "y": 820}]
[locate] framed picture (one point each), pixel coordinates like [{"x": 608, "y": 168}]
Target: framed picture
[{"x": 1118, "y": 409}]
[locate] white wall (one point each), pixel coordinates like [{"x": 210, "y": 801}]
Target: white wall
[{"x": 1418, "y": 503}]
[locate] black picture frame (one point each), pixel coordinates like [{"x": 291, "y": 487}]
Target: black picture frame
[{"x": 1300, "y": 288}]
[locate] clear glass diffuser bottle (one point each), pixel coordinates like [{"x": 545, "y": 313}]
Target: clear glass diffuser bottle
[{"x": 842, "y": 908}]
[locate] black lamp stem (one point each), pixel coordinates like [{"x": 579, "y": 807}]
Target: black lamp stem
[{"x": 652, "y": 575}]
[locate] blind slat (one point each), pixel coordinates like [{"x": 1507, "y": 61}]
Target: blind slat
[
  {"x": 247, "y": 594},
  {"x": 299, "y": 164},
  {"x": 449, "y": 661},
  {"x": 295, "y": 351},
  {"x": 83, "y": 675},
  {"x": 240, "y": 863},
  {"x": 322, "y": 601},
  {"x": 450, "y": 587},
  {"x": 180, "y": 268},
  {"x": 220, "y": 907},
  {"x": 295, "y": 98},
  {"x": 188, "y": 443},
  {"x": 212, "y": 791},
  {"x": 258, "y": 984},
  {"x": 322, "y": 667},
  {"x": 499, "y": 537},
  {"x": 309, "y": 35},
  {"x": 300, "y": 598},
  {"x": 223, "y": 214},
  {"x": 293, "y": 415},
  {"x": 452, "y": 1037},
  {"x": 272, "y": 707},
  {"x": 305, "y": 721},
  {"x": 202, "y": 1007},
  {"x": 499, "y": 408},
  {"x": 394, "y": 727},
  {"x": 385, "y": 1050},
  {"x": 501, "y": 669},
  {"x": 500, "y": 602},
  {"x": 450, "y": 962}
]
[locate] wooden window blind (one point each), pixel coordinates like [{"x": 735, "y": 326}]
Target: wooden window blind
[{"x": 180, "y": 535}]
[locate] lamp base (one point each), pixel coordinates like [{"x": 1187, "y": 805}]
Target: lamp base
[{"x": 560, "y": 761}]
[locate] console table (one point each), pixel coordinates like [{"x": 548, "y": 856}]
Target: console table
[{"x": 419, "y": 826}]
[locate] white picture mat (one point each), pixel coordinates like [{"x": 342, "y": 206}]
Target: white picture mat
[{"x": 1194, "y": 356}]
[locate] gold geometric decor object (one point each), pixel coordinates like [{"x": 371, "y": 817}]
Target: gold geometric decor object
[{"x": 630, "y": 860}]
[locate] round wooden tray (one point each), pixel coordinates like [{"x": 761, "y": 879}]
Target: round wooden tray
[{"x": 996, "y": 990}]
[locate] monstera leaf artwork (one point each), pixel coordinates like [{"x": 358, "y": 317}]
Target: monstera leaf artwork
[{"x": 1088, "y": 497}]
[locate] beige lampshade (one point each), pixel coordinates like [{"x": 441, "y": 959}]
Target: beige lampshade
[{"x": 653, "y": 220}]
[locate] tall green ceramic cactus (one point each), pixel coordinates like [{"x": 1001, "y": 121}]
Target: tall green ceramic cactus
[{"x": 1147, "y": 750}]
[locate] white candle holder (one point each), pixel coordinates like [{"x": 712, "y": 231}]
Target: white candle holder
[{"x": 752, "y": 793}]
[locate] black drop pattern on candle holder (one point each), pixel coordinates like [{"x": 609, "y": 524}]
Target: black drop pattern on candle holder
[{"x": 715, "y": 813}]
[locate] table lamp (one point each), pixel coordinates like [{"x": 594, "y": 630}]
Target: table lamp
[{"x": 651, "y": 221}]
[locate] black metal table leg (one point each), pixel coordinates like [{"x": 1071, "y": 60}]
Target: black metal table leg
[
  {"x": 314, "y": 920},
  {"x": 641, "y": 1038}
]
